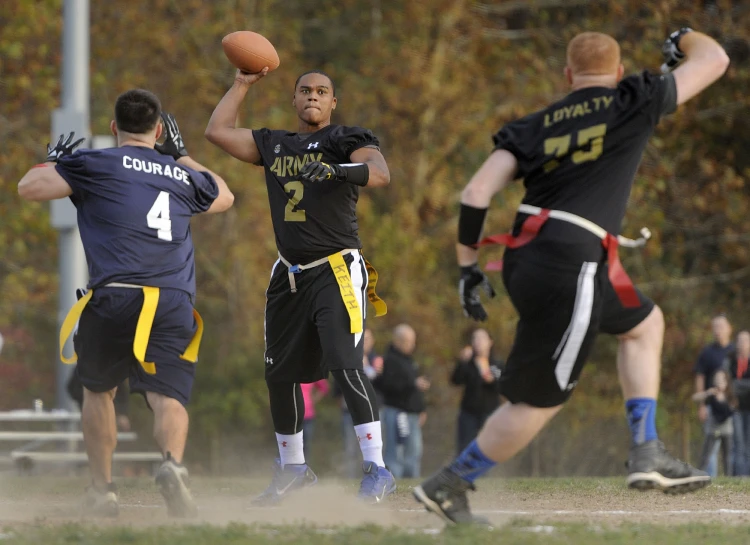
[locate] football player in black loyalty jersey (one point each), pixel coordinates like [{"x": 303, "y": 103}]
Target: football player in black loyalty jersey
[
  {"x": 316, "y": 299},
  {"x": 137, "y": 319},
  {"x": 578, "y": 158}
]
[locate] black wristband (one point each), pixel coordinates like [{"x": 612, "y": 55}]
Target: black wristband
[
  {"x": 356, "y": 173},
  {"x": 470, "y": 224}
]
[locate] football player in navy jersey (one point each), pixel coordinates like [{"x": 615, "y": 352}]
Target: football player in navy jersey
[
  {"x": 137, "y": 320},
  {"x": 578, "y": 158},
  {"x": 315, "y": 302}
]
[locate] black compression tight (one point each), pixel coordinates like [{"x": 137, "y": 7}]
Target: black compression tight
[{"x": 288, "y": 406}]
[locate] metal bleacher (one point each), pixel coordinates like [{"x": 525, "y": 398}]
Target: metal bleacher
[{"x": 61, "y": 446}]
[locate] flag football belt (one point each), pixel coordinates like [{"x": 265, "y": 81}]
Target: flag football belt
[
  {"x": 538, "y": 217},
  {"x": 344, "y": 280},
  {"x": 142, "y": 329}
]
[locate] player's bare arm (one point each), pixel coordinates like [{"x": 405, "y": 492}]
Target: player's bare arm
[
  {"x": 42, "y": 182},
  {"x": 222, "y": 130},
  {"x": 705, "y": 62},
  {"x": 225, "y": 199},
  {"x": 379, "y": 175},
  {"x": 495, "y": 173},
  {"x": 174, "y": 146}
]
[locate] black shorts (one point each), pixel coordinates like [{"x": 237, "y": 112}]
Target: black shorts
[
  {"x": 308, "y": 333},
  {"x": 104, "y": 343},
  {"x": 560, "y": 313}
]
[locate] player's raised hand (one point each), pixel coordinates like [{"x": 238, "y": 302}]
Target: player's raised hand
[
  {"x": 173, "y": 144},
  {"x": 319, "y": 172},
  {"x": 472, "y": 280},
  {"x": 246, "y": 78},
  {"x": 62, "y": 148},
  {"x": 671, "y": 51}
]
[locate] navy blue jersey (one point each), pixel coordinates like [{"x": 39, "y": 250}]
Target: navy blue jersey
[
  {"x": 311, "y": 220},
  {"x": 134, "y": 208}
]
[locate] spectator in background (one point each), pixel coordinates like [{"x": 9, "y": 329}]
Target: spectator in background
[
  {"x": 403, "y": 389},
  {"x": 721, "y": 403},
  {"x": 710, "y": 361},
  {"x": 312, "y": 393},
  {"x": 373, "y": 366},
  {"x": 739, "y": 374},
  {"x": 478, "y": 372}
]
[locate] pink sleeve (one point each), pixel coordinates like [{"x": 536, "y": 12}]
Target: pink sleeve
[{"x": 323, "y": 386}]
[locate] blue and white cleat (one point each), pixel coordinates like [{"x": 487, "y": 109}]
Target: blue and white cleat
[
  {"x": 285, "y": 480},
  {"x": 377, "y": 483}
]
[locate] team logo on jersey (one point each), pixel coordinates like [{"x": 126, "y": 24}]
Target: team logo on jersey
[
  {"x": 312, "y": 145},
  {"x": 277, "y": 148}
]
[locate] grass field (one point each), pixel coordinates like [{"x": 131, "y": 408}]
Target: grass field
[{"x": 44, "y": 510}]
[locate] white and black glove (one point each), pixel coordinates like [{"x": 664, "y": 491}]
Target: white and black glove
[
  {"x": 472, "y": 280},
  {"x": 62, "y": 148},
  {"x": 671, "y": 51},
  {"x": 173, "y": 144}
]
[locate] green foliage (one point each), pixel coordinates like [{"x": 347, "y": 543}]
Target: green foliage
[{"x": 433, "y": 80}]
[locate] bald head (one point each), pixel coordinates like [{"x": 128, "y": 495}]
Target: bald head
[
  {"x": 404, "y": 339},
  {"x": 593, "y": 55}
]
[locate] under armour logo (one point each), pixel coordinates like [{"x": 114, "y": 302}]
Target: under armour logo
[
  {"x": 283, "y": 444},
  {"x": 269, "y": 361},
  {"x": 312, "y": 145},
  {"x": 367, "y": 436}
]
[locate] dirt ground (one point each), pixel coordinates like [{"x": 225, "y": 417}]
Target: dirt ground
[{"x": 597, "y": 502}]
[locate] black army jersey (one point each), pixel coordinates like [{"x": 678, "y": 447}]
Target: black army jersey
[
  {"x": 134, "y": 208},
  {"x": 311, "y": 220},
  {"x": 580, "y": 155}
]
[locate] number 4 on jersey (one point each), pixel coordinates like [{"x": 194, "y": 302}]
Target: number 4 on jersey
[{"x": 158, "y": 217}]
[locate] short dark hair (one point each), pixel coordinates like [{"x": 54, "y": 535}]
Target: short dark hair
[
  {"x": 333, "y": 85},
  {"x": 137, "y": 111}
]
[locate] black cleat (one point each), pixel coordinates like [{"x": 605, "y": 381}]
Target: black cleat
[
  {"x": 651, "y": 467},
  {"x": 285, "y": 479},
  {"x": 445, "y": 495}
]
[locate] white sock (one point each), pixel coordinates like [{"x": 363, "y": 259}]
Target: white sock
[
  {"x": 370, "y": 442},
  {"x": 290, "y": 449}
]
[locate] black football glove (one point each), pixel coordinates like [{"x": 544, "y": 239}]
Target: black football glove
[
  {"x": 319, "y": 172},
  {"x": 671, "y": 51},
  {"x": 62, "y": 148},
  {"x": 173, "y": 144},
  {"x": 472, "y": 279}
]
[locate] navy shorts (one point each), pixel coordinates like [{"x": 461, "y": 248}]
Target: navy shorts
[
  {"x": 308, "y": 333},
  {"x": 561, "y": 311},
  {"x": 104, "y": 343}
]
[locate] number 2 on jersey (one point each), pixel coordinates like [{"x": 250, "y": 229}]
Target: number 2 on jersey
[
  {"x": 158, "y": 217},
  {"x": 297, "y": 190},
  {"x": 559, "y": 146}
]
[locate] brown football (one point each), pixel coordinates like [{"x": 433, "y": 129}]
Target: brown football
[{"x": 249, "y": 51}]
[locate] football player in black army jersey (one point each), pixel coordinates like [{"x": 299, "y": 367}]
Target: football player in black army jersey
[
  {"x": 137, "y": 320},
  {"x": 578, "y": 158},
  {"x": 315, "y": 302}
]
